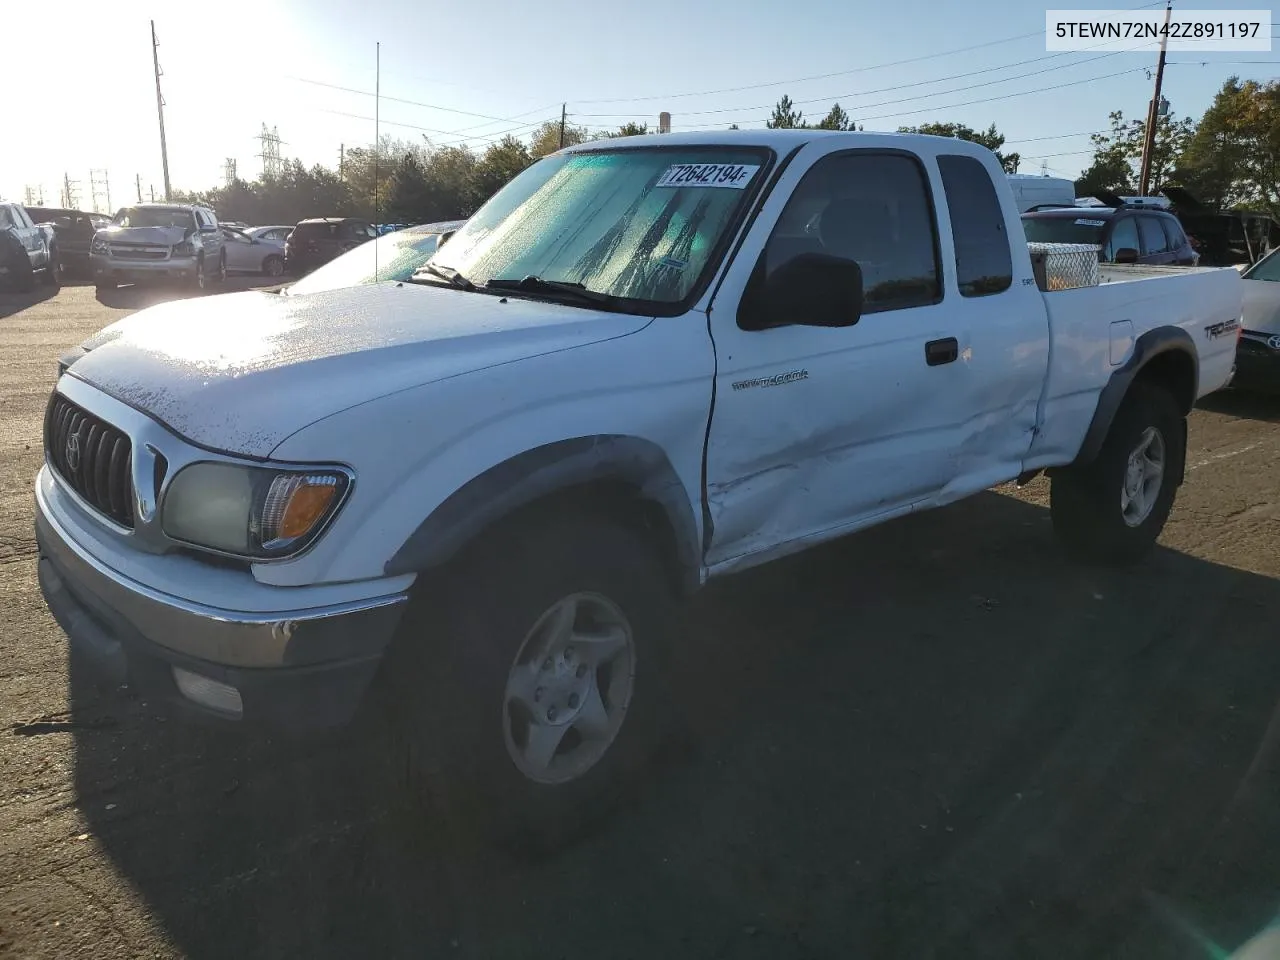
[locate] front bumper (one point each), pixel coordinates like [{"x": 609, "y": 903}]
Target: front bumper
[
  {"x": 1257, "y": 363},
  {"x": 141, "y": 271},
  {"x": 322, "y": 659}
]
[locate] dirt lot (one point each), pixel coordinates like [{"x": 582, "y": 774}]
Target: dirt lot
[{"x": 935, "y": 739}]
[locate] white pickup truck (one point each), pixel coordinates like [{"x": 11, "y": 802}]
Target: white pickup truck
[{"x": 477, "y": 495}]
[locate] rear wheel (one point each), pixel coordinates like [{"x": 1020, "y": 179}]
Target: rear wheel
[
  {"x": 273, "y": 266},
  {"x": 1112, "y": 510},
  {"x": 200, "y": 281},
  {"x": 528, "y": 705},
  {"x": 220, "y": 277}
]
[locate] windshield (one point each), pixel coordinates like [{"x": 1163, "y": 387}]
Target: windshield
[
  {"x": 154, "y": 217},
  {"x": 639, "y": 224},
  {"x": 1268, "y": 268},
  {"x": 393, "y": 257},
  {"x": 1083, "y": 229}
]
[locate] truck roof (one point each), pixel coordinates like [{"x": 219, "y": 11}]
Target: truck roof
[{"x": 779, "y": 140}]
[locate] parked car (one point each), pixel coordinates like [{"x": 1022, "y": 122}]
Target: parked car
[
  {"x": 477, "y": 496},
  {"x": 1124, "y": 234},
  {"x": 154, "y": 242},
  {"x": 27, "y": 251},
  {"x": 279, "y": 233},
  {"x": 248, "y": 254},
  {"x": 314, "y": 242},
  {"x": 74, "y": 230},
  {"x": 395, "y": 256},
  {"x": 1258, "y": 354}
]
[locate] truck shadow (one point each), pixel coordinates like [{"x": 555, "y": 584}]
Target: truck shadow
[
  {"x": 1244, "y": 405},
  {"x": 936, "y": 738},
  {"x": 12, "y": 301}
]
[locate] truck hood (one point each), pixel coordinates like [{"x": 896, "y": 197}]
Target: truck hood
[
  {"x": 241, "y": 372},
  {"x": 162, "y": 236}
]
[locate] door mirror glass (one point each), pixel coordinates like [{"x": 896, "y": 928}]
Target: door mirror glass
[
  {"x": 812, "y": 290},
  {"x": 1126, "y": 255}
]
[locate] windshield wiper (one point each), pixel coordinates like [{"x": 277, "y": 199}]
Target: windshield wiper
[
  {"x": 576, "y": 291},
  {"x": 446, "y": 273}
]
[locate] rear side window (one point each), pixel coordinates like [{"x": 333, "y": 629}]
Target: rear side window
[
  {"x": 1153, "y": 238},
  {"x": 984, "y": 264}
]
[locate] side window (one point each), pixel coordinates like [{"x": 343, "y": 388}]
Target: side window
[
  {"x": 1173, "y": 233},
  {"x": 20, "y": 217},
  {"x": 1124, "y": 233},
  {"x": 1153, "y": 238},
  {"x": 6, "y": 217},
  {"x": 984, "y": 264},
  {"x": 874, "y": 208}
]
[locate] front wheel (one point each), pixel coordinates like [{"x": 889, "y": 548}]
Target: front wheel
[
  {"x": 1112, "y": 510},
  {"x": 200, "y": 282},
  {"x": 53, "y": 270},
  {"x": 220, "y": 277},
  {"x": 531, "y": 703}
]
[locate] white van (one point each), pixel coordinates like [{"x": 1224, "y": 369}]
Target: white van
[{"x": 1032, "y": 191}]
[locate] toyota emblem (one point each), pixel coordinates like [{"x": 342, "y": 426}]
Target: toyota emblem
[
  {"x": 73, "y": 452},
  {"x": 1274, "y": 343}
]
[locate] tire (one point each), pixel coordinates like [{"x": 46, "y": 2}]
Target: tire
[
  {"x": 273, "y": 266},
  {"x": 466, "y": 680},
  {"x": 200, "y": 282},
  {"x": 220, "y": 277},
  {"x": 53, "y": 272},
  {"x": 1094, "y": 515}
]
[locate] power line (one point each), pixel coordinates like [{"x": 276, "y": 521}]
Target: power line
[
  {"x": 843, "y": 73},
  {"x": 885, "y": 103},
  {"x": 414, "y": 103}
]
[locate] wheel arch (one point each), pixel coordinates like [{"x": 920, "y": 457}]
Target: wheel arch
[
  {"x": 625, "y": 477},
  {"x": 1164, "y": 357}
]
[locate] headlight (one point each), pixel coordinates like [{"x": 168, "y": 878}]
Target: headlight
[
  {"x": 252, "y": 512},
  {"x": 98, "y": 245},
  {"x": 184, "y": 249}
]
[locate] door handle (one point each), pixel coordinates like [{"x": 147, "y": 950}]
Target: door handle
[{"x": 937, "y": 352}]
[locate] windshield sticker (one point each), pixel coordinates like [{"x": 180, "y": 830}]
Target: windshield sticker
[
  {"x": 671, "y": 263},
  {"x": 735, "y": 176},
  {"x": 1092, "y": 223}
]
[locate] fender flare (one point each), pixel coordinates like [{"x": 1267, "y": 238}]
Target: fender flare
[
  {"x": 1147, "y": 347},
  {"x": 535, "y": 474}
]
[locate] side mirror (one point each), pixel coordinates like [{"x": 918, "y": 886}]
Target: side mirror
[
  {"x": 810, "y": 290},
  {"x": 1126, "y": 255}
]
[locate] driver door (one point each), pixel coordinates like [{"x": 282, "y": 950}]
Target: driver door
[{"x": 816, "y": 430}]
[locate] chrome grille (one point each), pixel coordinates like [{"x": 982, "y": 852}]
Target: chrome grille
[
  {"x": 123, "y": 251},
  {"x": 95, "y": 458}
]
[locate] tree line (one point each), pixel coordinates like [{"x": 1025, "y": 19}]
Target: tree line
[{"x": 1228, "y": 159}]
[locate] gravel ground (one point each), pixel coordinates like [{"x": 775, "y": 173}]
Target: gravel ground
[{"x": 935, "y": 739}]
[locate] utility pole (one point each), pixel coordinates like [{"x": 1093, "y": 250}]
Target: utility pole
[
  {"x": 153, "y": 192},
  {"x": 137, "y": 179},
  {"x": 164, "y": 149},
  {"x": 563, "y": 107},
  {"x": 1153, "y": 110},
  {"x": 342, "y": 161},
  {"x": 70, "y": 192},
  {"x": 99, "y": 186}
]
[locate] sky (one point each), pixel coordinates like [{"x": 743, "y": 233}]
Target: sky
[{"x": 474, "y": 72}]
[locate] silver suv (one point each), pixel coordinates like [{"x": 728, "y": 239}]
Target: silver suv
[{"x": 152, "y": 242}]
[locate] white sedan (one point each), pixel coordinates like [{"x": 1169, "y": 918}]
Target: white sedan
[
  {"x": 1258, "y": 352},
  {"x": 250, "y": 254}
]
